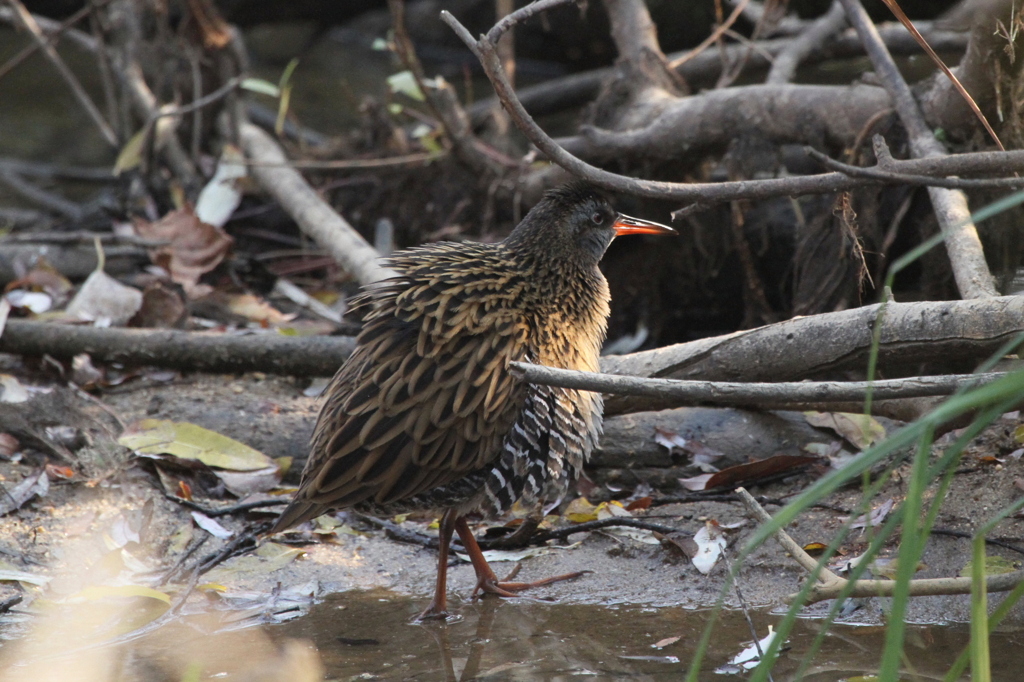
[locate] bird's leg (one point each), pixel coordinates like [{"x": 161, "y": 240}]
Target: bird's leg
[
  {"x": 438, "y": 608},
  {"x": 486, "y": 580}
]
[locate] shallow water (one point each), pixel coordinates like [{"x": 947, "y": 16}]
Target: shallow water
[{"x": 370, "y": 634}]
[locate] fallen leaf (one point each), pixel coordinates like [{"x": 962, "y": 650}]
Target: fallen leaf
[
  {"x": 163, "y": 306},
  {"x": 888, "y": 567},
  {"x": 874, "y": 518},
  {"x": 994, "y": 565},
  {"x": 861, "y": 430},
  {"x": 662, "y": 643},
  {"x": 749, "y": 657},
  {"x": 33, "y": 301},
  {"x": 83, "y": 373},
  {"x": 11, "y": 576},
  {"x": 703, "y": 457},
  {"x": 581, "y": 510},
  {"x": 640, "y": 504},
  {"x": 36, "y": 484},
  {"x": 58, "y": 472},
  {"x": 221, "y": 195},
  {"x": 668, "y": 439},
  {"x": 255, "y": 309},
  {"x": 12, "y": 390},
  {"x": 710, "y": 545},
  {"x": 195, "y": 247},
  {"x": 104, "y": 301},
  {"x": 211, "y": 526},
  {"x": 188, "y": 441},
  {"x": 751, "y": 472},
  {"x": 698, "y": 482},
  {"x": 815, "y": 549}
]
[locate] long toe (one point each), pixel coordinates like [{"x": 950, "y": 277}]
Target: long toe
[{"x": 504, "y": 588}]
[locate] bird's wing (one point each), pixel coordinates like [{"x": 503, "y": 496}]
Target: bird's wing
[{"x": 425, "y": 399}]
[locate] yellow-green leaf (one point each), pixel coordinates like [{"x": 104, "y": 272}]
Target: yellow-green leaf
[
  {"x": 130, "y": 155},
  {"x": 994, "y": 565},
  {"x": 188, "y": 441}
]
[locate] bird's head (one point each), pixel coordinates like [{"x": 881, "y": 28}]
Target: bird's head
[{"x": 577, "y": 221}]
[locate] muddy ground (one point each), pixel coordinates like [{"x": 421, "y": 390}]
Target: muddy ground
[{"x": 50, "y": 536}]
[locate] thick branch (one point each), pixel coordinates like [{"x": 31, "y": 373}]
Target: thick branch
[
  {"x": 972, "y": 275},
  {"x": 819, "y": 115},
  {"x": 769, "y": 395},
  {"x": 313, "y": 215},
  {"x": 701, "y": 194},
  {"x": 705, "y": 68},
  {"x": 185, "y": 351},
  {"x": 821, "y": 346}
]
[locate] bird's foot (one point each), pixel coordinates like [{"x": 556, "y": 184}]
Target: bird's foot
[
  {"x": 437, "y": 610},
  {"x": 505, "y": 588}
]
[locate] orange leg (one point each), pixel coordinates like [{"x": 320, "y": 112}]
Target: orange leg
[
  {"x": 486, "y": 580},
  {"x": 438, "y": 608}
]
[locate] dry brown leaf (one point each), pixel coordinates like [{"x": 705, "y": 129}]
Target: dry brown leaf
[{"x": 195, "y": 248}]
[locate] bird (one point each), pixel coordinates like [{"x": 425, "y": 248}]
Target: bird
[{"x": 425, "y": 413}]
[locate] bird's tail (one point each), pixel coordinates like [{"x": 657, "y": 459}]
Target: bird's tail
[{"x": 299, "y": 511}]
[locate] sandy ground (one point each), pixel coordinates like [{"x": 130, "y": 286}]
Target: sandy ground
[{"x": 51, "y": 536}]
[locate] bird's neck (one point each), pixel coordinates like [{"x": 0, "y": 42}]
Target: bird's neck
[{"x": 568, "y": 311}]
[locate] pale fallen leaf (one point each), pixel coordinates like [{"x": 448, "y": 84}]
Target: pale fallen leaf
[
  {"x": 104, "y": 300},
  {"x": 874, "y": 518},
  {"x": 33, "y": 301},
  {"x": 861, "y": 430},
  {"x": 695, "y": 482},
  {"x": 9, "y": 575},
  {"x": 662, "y": 643},
  {"x": 710, "y": 545},
  {"x": 221, "y": 195},
  {"x": 211, "y": 526},
  {"x": 35, "y": 484},
  {"x": 12, "y": 390},
  {"x": 668, "y": 439},
  {"x": 994, "y": 565},
  {"x": 749, "y": 657}
]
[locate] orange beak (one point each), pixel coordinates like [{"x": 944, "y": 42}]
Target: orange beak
[{"x": 624, "y": 224}]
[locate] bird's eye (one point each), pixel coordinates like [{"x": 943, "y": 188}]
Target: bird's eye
[{"x": 597, "y": 218}]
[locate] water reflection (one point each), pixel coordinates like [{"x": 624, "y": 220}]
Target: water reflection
[{"x": 370, "y": 634}]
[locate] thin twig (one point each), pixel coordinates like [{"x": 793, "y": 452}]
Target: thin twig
[
  {"x": 715, "y": 35},
  {"x": 889, "y": 177},
  {"x": 735, "y": 393},
  {"x": 28, "y": 22}
]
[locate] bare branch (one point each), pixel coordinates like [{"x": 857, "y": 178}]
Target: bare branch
[
  {"x": 972, "y": 275},
  {"x": 313, "y": 215},
  {"x": 185, "y": 351},
  {"x": 29, "y": 24},
  {"x": 813, "y": 38},
  {"x": 769, "y": 395},
  {"x": 821, "y": 346}
]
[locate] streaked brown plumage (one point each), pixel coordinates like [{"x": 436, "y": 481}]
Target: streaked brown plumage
[{"x": 425, "y": 413}]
